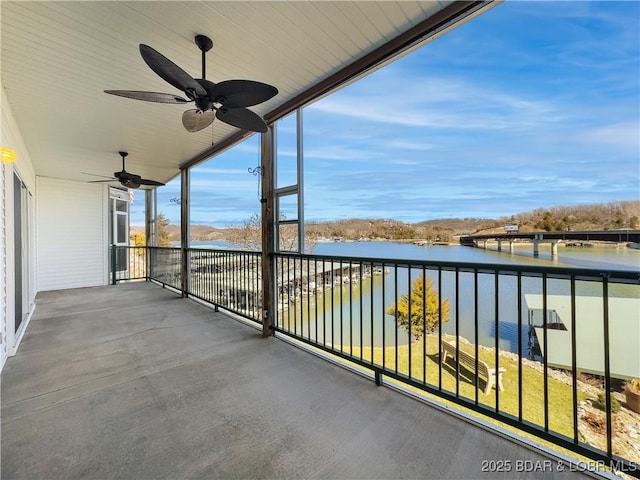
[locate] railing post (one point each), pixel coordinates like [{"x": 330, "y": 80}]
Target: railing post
[
  {"x": 151, "y": 259},
  {"x": 147, "y": 263},
  {"x": 607, "y": 365},
  {"x": 113, "y": 264}
]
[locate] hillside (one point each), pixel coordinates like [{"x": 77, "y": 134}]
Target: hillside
[
  {"x": 198, "y": 232},
  {"x": 599, "y": 216}
]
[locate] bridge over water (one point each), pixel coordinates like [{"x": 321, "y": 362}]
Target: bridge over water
[{"x": 617, "y": 236}]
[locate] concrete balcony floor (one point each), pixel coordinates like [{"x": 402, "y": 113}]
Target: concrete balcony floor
[{"x": 134, "y": 382}]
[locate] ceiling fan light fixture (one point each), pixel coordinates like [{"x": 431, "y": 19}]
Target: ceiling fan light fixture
[{"x": 195, "y": 120}]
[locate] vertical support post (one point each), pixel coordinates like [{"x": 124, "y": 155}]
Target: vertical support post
[
  {"x": 499, "y": 245},
  {"x": 148, "y": 216},
  {"x": 150, "y": 231},
  {"x": 148, "y": 228},
  {"x": 536, "y": 245},
  {"x": 268, "y": 230},
  {"x": 511, "y": 242},
  {"x": 113, "y": 263},
  {"x": 554, "y": 248},
  {"x": 184, "y": 231},
  {"x": 300, "y": 158}
]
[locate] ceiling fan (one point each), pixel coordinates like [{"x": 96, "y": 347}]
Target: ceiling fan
[
  {"x": 226, "y": 101},
  {"x": 129, "y": 180}
]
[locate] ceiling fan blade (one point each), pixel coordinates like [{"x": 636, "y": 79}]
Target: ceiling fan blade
[
  {"x": 170, "y": 72},
  {"x": 104, "y": 181},
  {"x": 195, "y": 120},
  {"x": 241, "y": 93},
  {"x": 148, "y": 96},
  {"x": 145, "y": 181},
  {"x": 95, "y": 175},
  {"x": 242, "y": 118}
]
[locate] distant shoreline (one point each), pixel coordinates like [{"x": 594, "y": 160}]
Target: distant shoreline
[{"x": 519, "y": 244}]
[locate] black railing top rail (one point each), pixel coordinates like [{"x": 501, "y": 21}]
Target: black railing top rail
[
  {"x": 580, "y": 273},
  {"x": 617, "y": 276},
  {"x": 197, "y": 249},
  {"x": 223, "y": 250}
]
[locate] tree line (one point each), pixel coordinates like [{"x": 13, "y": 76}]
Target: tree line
[{"x": 597, "y": 216}]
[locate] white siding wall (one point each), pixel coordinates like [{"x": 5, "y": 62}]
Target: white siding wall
[
  {"x": 67, "y": 231},
  {"x": 72, "y": 236},
  {"x": 11, "y": 137},
  {"x": 3, "y": 270}
]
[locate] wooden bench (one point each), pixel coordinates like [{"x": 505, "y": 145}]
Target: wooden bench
[{"x": 468, "y": 361}]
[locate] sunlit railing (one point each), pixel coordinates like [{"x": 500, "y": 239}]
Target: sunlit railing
[
  {"x": 128, "y": 263},
  {"x": 165, "y": 266},
  {"x": 546, "y": 350},
  {"x": 227, "y": 279},
  {"x": 562, "y": 372}
]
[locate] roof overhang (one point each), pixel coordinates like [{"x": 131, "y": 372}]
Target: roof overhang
[{"x": 58, "y": 57}]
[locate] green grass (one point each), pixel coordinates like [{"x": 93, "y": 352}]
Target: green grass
[{"x": 560, "y": 395}]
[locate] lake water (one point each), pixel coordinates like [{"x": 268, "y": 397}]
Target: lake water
[
  {"x": 616, "y": 258},
  {"x": 327, "y": 317},
  {"x": 367, "y": 305}
]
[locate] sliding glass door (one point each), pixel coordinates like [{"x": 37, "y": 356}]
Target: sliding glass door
[{"x": 21, "y": 225}]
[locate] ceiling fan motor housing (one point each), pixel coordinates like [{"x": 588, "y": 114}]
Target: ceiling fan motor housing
[{"x": 203, "y": 42}]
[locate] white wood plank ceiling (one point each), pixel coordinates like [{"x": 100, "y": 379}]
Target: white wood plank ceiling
[{"x": 58, "y": 57}]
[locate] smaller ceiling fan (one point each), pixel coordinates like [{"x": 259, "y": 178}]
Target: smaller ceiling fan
[
  {"x": 226, "y": 101},
  {"x": 129, "y": 180}
]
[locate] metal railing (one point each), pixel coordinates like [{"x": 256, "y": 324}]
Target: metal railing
[
  {"x": 546, "y": 350},
  {"x": 559, "y": 341},
  {"x": 160, "y": 264},
  {"x": 128, "y": 263},
  {"x": 165, "y": 266},
  {"x": 227, "y": 279}
]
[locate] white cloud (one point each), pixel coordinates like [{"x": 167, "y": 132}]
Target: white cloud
[
  {"x": 223, "y": 185},
  {"x": 440, "y": 102},
  {"x": 411, "y": 145},
  {"x": 620, "y": 136},
  {"x": 336, "y": 152}
]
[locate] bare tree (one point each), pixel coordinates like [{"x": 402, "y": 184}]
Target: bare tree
[{"x": 248, "y": 236}]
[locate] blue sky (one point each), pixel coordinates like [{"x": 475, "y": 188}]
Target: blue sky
[{"x": 532, "y": 104}]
